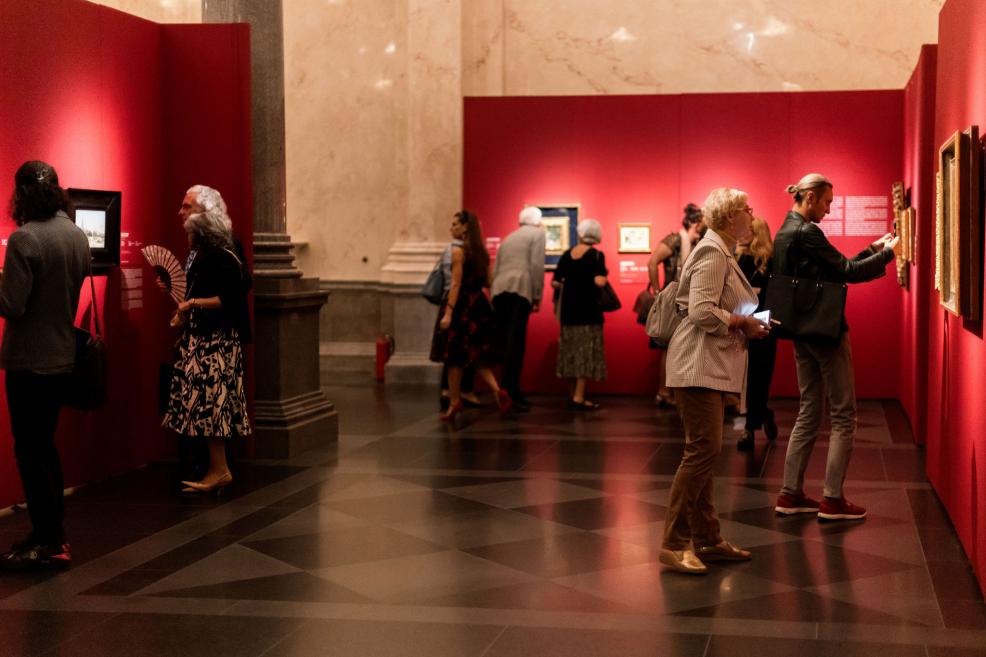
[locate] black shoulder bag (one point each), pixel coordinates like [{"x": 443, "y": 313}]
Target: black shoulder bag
[
  {"x": 606, "y": 297},
  {"x": 88, "y": 383},
  {"x": 808, "y": 310}
]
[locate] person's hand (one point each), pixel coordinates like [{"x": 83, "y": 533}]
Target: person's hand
[
  {"x": 177, "y": 320},
  {"x": 185, "y": 307},
  {"x": 894, "y": 244},
  {"x": 879, "y": 245},
  {"x": 446, "y": 321},
  {"x": 754, "y": 329}
]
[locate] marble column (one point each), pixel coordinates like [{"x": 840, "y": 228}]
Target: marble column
[
  {"x": 434, "y": 175},
  {"x": 291, "y": 412}
]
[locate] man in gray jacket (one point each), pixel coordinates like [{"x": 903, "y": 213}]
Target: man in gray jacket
[{"x": 518, "y": 282}]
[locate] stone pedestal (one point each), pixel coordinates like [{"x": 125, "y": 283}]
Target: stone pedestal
[
  {"x": 291, "y": 412},
  {"x": 408, "y": 265}
]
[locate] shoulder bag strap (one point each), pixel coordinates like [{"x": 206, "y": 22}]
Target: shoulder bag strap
[{"x": 93, "y": 306}]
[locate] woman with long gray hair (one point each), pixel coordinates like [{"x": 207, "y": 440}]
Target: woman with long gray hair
[{"x": 207, "y": 400}]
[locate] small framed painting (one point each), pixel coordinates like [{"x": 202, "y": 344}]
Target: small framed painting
[
  {"x": 634, "y": 238},
  {"x": 559, "y": 223}
]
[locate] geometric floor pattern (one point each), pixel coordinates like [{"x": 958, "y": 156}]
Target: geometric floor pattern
[{"x": 532, "y": 534}]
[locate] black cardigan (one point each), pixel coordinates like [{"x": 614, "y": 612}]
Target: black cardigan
[{"x": 217, "y": 273}]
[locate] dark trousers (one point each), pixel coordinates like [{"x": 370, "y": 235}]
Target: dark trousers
[
  {"x": 512, "y": 312},
  {"x": 759, "y": 372},
  {"x": 33, "y": 402}
]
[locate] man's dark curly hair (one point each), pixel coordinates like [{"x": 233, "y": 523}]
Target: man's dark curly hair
[{"x": 37, "y": 195}]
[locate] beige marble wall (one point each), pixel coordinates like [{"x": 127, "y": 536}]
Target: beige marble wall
[
  {"x": 549, "y": 47},
  {"x": 159, "y": 11}
]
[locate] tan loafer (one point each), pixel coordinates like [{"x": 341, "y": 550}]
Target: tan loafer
[
  {"x": 684, "y": 561},
  {"x": 725, "y": 551}
]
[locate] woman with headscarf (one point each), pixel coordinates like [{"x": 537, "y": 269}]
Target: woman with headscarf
[
  {"x": 207, "y": 399},
  {"x": 465, "y": 334},
  {"x": 580, "y": 273}
]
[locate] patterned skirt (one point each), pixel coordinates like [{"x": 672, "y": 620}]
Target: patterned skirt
[
  {"x": 471, "y": 339},
  {"x": 581, "y": 353},
  {"x": 207, "y": 396}
]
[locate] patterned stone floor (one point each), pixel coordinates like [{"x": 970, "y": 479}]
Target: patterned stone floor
[{"x": 535, "y": 534}]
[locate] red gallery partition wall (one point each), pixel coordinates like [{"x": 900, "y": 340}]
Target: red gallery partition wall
[
  {"x": 641, "y": 159},
  {"x": 955, "y": 358},
  {"x": 118, "y": 103}
]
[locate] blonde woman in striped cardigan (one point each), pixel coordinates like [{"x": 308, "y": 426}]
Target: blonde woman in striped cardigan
[{"x": 706, "y": 361}]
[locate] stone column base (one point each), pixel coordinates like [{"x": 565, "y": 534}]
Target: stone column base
[{"x": 288, "y": 427}]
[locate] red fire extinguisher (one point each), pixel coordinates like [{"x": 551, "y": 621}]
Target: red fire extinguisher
[{"x": 385, "y": 349}]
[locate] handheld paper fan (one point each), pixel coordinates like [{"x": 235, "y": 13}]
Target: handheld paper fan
[{"x": 168, "y": 269}]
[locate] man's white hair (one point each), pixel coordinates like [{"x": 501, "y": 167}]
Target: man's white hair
[
  {"x": 530, "y": 216},
  {"x": 211, "y": 223}
]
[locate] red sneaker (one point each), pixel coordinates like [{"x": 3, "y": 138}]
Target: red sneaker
[
  {"x": 833, "y": 508},
  {"x": 791, "y": 504}
]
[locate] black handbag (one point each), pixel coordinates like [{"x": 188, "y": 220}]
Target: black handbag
[
  {"x": 434, "y": 287},
  {"x": 607, "y": 299},
  {"x": 641, "y": 307},
  {"x": 88, "y": 382},
  {"x": 807, "y": 310}
]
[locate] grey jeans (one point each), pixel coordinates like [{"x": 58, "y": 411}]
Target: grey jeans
[{"x": 821, "y": 370}]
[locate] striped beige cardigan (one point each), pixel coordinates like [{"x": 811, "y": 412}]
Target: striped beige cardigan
[{"x": 703, "y": 352}]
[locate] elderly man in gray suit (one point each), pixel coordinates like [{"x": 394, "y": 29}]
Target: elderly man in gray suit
[{"x": 518, "y": 281}]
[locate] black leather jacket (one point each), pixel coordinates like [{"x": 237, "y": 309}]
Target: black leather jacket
[{"x": 813, "y": 257}]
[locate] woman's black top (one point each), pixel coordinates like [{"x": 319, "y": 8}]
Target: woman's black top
[
  {"x": 215, "y": 272},
  {"x": 757, "y": 278},
  {"x": 578, "y": 299}
]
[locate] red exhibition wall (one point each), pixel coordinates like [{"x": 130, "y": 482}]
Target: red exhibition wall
[
  {"x": 118, "y": 103},
  {"x": 631, "y": 159},
  {"x": 955, "y": 358}
]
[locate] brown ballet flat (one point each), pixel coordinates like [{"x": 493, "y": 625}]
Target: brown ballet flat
[
  {"x": 683, "y": 561},
  {"x": 725, "y": 551}
]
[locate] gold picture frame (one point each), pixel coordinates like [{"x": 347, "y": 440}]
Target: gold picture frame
[
  {"x": 559, "y": 222},
  {"x": 958, "y": 275},
  {"x": 634, "y": 238}
]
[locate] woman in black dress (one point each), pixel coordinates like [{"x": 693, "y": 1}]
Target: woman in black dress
[
  {"x": 207, "y": 400},
  {"x": 580, "y": 273},
  {"x": 755, "y": 258},
  {"x": 465, "y": 334}
]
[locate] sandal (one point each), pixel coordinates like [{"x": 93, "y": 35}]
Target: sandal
[{"x": 584, "y": 405}]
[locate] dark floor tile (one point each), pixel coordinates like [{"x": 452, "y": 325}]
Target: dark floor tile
[
  {"x": 942, "y": 651},
  {"x": 797, "y": 606},
  {"x": 812, "y": 563},
  {"x": 942, "y": 545},
  {"x": 295, "y": 587},
  {"x": 319, "y": 638},
  {"x": 439, "y": 481},
  {"x": 614, "y": 457},
  {"x": 929, "y": 512},
  {"x": 963, "y": 614},
  {"x": 127, "y": 583},
  {"x": 613, "y": 486},
  {"x": 157, "y": 635},
  {"x": 252, "y": 522},
  {"x": 904, "y": 465},
  {"x": 354, "y": 545},
  {"x": 187, "y": 554},
  {"x": 898, "y": 422},
  {"x": 565, "y": 554},
  {"x": 28, "y": 633},
  {"x": 748, "y": 646},
  {"x": 955, "y": 581},
  {"x": 483, "y": 454},
  {"x": 405, "y": 506},
  {"x": 546, "y": 596},
  {"x": 550, "y": 642},
  {"x": 807, "y": 525},
  {"x": 599, "y": 512}
]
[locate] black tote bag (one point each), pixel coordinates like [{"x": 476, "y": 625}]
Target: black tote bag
[
  {"x": 606, "y": 297},
  {"x": 808, "y": 310},
  {"x": 88, "y": 383}
]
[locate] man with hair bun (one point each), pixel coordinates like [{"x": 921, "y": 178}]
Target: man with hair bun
[{"x": 825, "y": 369}]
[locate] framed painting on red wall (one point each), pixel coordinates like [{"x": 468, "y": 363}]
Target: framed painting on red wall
[
  {"x": 958, "y": 276},
  {"x": 560, "y": 224}
]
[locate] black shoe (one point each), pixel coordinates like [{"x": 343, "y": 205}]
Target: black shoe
[
  {"x": 37, "y": 557},
  {"x": 769, "y": 426},
  {"x": 745, "y": 442}
]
